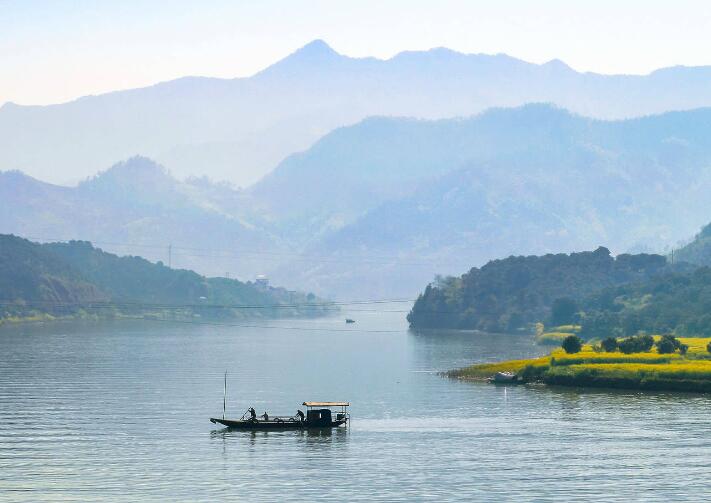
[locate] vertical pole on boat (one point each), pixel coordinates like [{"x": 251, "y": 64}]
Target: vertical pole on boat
[{"x": 224, "y": 398}]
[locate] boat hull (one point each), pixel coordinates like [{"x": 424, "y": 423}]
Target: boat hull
[
  {"x": 504, "y": 378},
  {"x": 240, "y": 424}
]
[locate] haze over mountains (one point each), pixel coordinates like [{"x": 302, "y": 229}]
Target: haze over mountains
[
  {"x": 378, "y": 208},
  {"x": 135, "y": 207},
  {"x": 239, "y": 129},
  {"x": 531, "y": 180}
]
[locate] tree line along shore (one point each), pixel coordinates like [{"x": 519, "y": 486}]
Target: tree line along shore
[
  {"x": 75, "y": 280},
  {"x": 611, "y": 307}
]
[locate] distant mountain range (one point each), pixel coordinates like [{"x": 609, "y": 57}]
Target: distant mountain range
[
  {"x": 136, "y": 207},
  {"x": 378, "y": 208},
  {"x": 239, "y": 129},
  {"x": 531, "y": 180}
]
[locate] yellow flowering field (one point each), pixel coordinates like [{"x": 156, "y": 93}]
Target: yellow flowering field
[
  {"x": 560, "y": 357},
  {"x": 686, "y": 369},
  {"x": 485, "y": 370},
  {"x": 690, "y": 372}
]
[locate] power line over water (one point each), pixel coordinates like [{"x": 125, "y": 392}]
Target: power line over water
[{"x": 196, "y": 252}]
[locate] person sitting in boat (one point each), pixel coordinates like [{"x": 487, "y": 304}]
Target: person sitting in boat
[
  {"x": 265, "y": 416},
  {"x": 252, "y": 413},
  {"x": 300, "y": 415}
]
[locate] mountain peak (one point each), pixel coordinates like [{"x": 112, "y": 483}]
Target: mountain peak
[
  {"x": 315, "y": 48},
  {"x": 15, "y": 180},
  {"x": 15, "y": 175},
  {"x": 557, "y": 64},
  {"x": 313, "y": 55},
  {"x": 136, "y": 171}
]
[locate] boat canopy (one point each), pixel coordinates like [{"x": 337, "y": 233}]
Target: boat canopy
[{"x": 326, "y": 404}]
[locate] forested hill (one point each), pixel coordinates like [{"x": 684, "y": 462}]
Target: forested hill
[
  {"x": 676, "y": 302},
  {"x": 508, "y": 294},
  {"x": 698, "y": 251},
  {"x": 30, "y": 273},
  {"x": 77, "y": 278}
]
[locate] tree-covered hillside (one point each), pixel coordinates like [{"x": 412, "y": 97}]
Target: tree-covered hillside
[
  {"x": 75, "y": 277},
  {"x": 508, "y": 294},
  {"x": 698, "y": 251},
  {"x": 31, "y": 273},
  {"x": 678, "y": 302}
]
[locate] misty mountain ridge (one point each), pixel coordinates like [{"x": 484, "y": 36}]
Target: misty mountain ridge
[
  {"x": 382, "y": 206},
  {"x": 355, "y": 169},
  {"x": 532, "y": 180},
  {"x": 239, "y": 129},
  {"x": 138, "y": 207}
]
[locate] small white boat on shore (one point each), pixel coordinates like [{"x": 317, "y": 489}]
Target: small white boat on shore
[{"x": 504, "y": 378}]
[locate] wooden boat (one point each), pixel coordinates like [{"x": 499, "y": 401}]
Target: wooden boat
[{"x": 318, "y": 415}]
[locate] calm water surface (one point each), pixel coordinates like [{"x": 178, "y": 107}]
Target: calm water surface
[{"x": 119, "y": 412}]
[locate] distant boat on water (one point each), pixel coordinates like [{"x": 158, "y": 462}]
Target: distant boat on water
[{"x": 348, "y": 320}]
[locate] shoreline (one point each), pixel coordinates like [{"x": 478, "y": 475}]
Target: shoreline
[
  {"x": 590, "y": 369},
  {"x": 83, "y": 316}
]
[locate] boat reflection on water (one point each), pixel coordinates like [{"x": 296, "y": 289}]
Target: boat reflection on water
[
  {"x": 334, "y": 433},
  {"x": 256, "y": 440}
]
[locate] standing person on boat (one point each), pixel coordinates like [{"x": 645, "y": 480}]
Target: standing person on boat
[
  {"x": 265, "y": 416},
  {"x": 300, "y": 415},
  {"x": 252, "y": 413}
]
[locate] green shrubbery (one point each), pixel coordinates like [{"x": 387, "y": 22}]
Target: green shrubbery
[
  {"x": 636, "y": 344},
  {"x": 609, "y": 344},
  {"x": 533, "y": 371},
  {"x": 572, "y": 344},
  {"x": 669, "y": 344}
]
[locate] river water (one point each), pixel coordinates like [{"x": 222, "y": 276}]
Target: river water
[{"x": 119, "y": 412}]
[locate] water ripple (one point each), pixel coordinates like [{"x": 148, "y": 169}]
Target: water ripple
[{"x": 118, "y": 412}]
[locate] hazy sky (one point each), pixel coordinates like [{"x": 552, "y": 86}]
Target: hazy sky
[{"x": 53, "y": 51}]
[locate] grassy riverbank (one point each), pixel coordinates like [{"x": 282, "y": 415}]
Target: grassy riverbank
[
  {"x": 653, "y": 371},
  {"x": 197, "y": 314},
  {"x": 82, "y": 315},
  {"x": 556, "y": 335}
]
